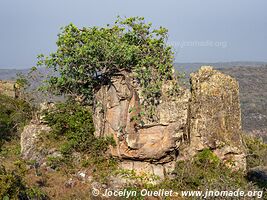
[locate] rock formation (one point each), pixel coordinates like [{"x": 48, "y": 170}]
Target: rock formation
[
  {"x": 32, "y": 138},
  {"x": 7, "y": 88},
  {"x": 214, "y": 120},
  {"x": 31, "y": 149},
  {"x": 151, "y": 147},
  {"x": 209, "y": 117}
]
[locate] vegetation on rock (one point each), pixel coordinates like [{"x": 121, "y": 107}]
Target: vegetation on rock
[
  {"x": 89, "y": 57},
  {"x": 73, "y": 132},
  {"x": 85, "y": 60}
]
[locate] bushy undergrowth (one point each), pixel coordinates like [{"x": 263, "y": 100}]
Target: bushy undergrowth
[
  {"x": 14, "y": 114},
  {"x": 204, "y": 172},
  {"x": 257, "y": 151},
  {"x": 73, "y": 128},
  {"x": 73, "y": 131},
  {"x": 74, "y": 123},
  {"x": 13, "y": 186}
]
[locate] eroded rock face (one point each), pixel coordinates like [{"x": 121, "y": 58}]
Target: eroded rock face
[
  {"x": 215, "y": 117},
  {"x": 160, "y": 170},
  {"x": 117, "y": 104},
  {"x": 208, "y": 117}
]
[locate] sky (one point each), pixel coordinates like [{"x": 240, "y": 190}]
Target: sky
[{"x": 199, "y": 31}]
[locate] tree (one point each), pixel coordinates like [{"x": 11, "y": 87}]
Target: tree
[{"x": 87, "y": 58}]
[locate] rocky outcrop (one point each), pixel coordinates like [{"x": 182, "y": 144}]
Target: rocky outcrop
[
  {"x": 116, "y": 107},
  {"x": 33, "y": 138},
  {"x": 208, "y": 117},
  {"x": 215, "y": 117},
  {"x": 7, "y": 88},
  {"x": 31, "y": 149}
]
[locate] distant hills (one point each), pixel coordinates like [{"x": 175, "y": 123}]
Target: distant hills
[
  {"x": 253, "y": 96},
  {"x": 10, "y": 74},
  {"x": 191, "y": 67}
]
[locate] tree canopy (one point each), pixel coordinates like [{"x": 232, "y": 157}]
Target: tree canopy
[{"x": 89, "y": 57}]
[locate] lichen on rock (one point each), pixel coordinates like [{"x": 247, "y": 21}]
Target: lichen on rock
[{"x": 215, "y": 117}]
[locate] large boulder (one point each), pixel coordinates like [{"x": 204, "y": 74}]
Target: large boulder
[
  {"x": 183, "y": 124},
  {"x": 31, "y": 148},
  {"x": 214, "y": 120},
  {"x": 117, "y": 105}
]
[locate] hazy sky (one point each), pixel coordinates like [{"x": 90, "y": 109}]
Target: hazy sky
[{"x": 200, "y": 31}]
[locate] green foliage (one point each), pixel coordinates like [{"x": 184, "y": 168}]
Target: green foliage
[
  {"x": 12, "y": 185},
  {"x": 55, "y": 162},
  {"x": 142, "y": 179},
  {"x": 14, "y": 114},
  {"x": 257, "y": 151},
  {"x": 206, "y": 156},
  {"x": 103, "y": 167},
  {"x": 10, "y": 148},
  {"x": 204, "y": 172},
  {"x": 73, "y": 123},
  {"x": 21, "y": 82},
  {"x": 73, "y": 129},
  {"x": 87, "y": 58}
]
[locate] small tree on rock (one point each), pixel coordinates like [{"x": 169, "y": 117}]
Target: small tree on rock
[{"x": 89, "y": 57}]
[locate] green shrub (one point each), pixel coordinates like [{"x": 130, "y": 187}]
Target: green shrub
[
  {"x": 13, "y": 186},
  {"x": 73, "y": 128},
  {"x": 55, "y": 162},
  {"x": 14, "y": 114},
  {"x": 205, "y": 171},
  {"x": 257, "y": 151},
  {"x": 73, "y": 124}
]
